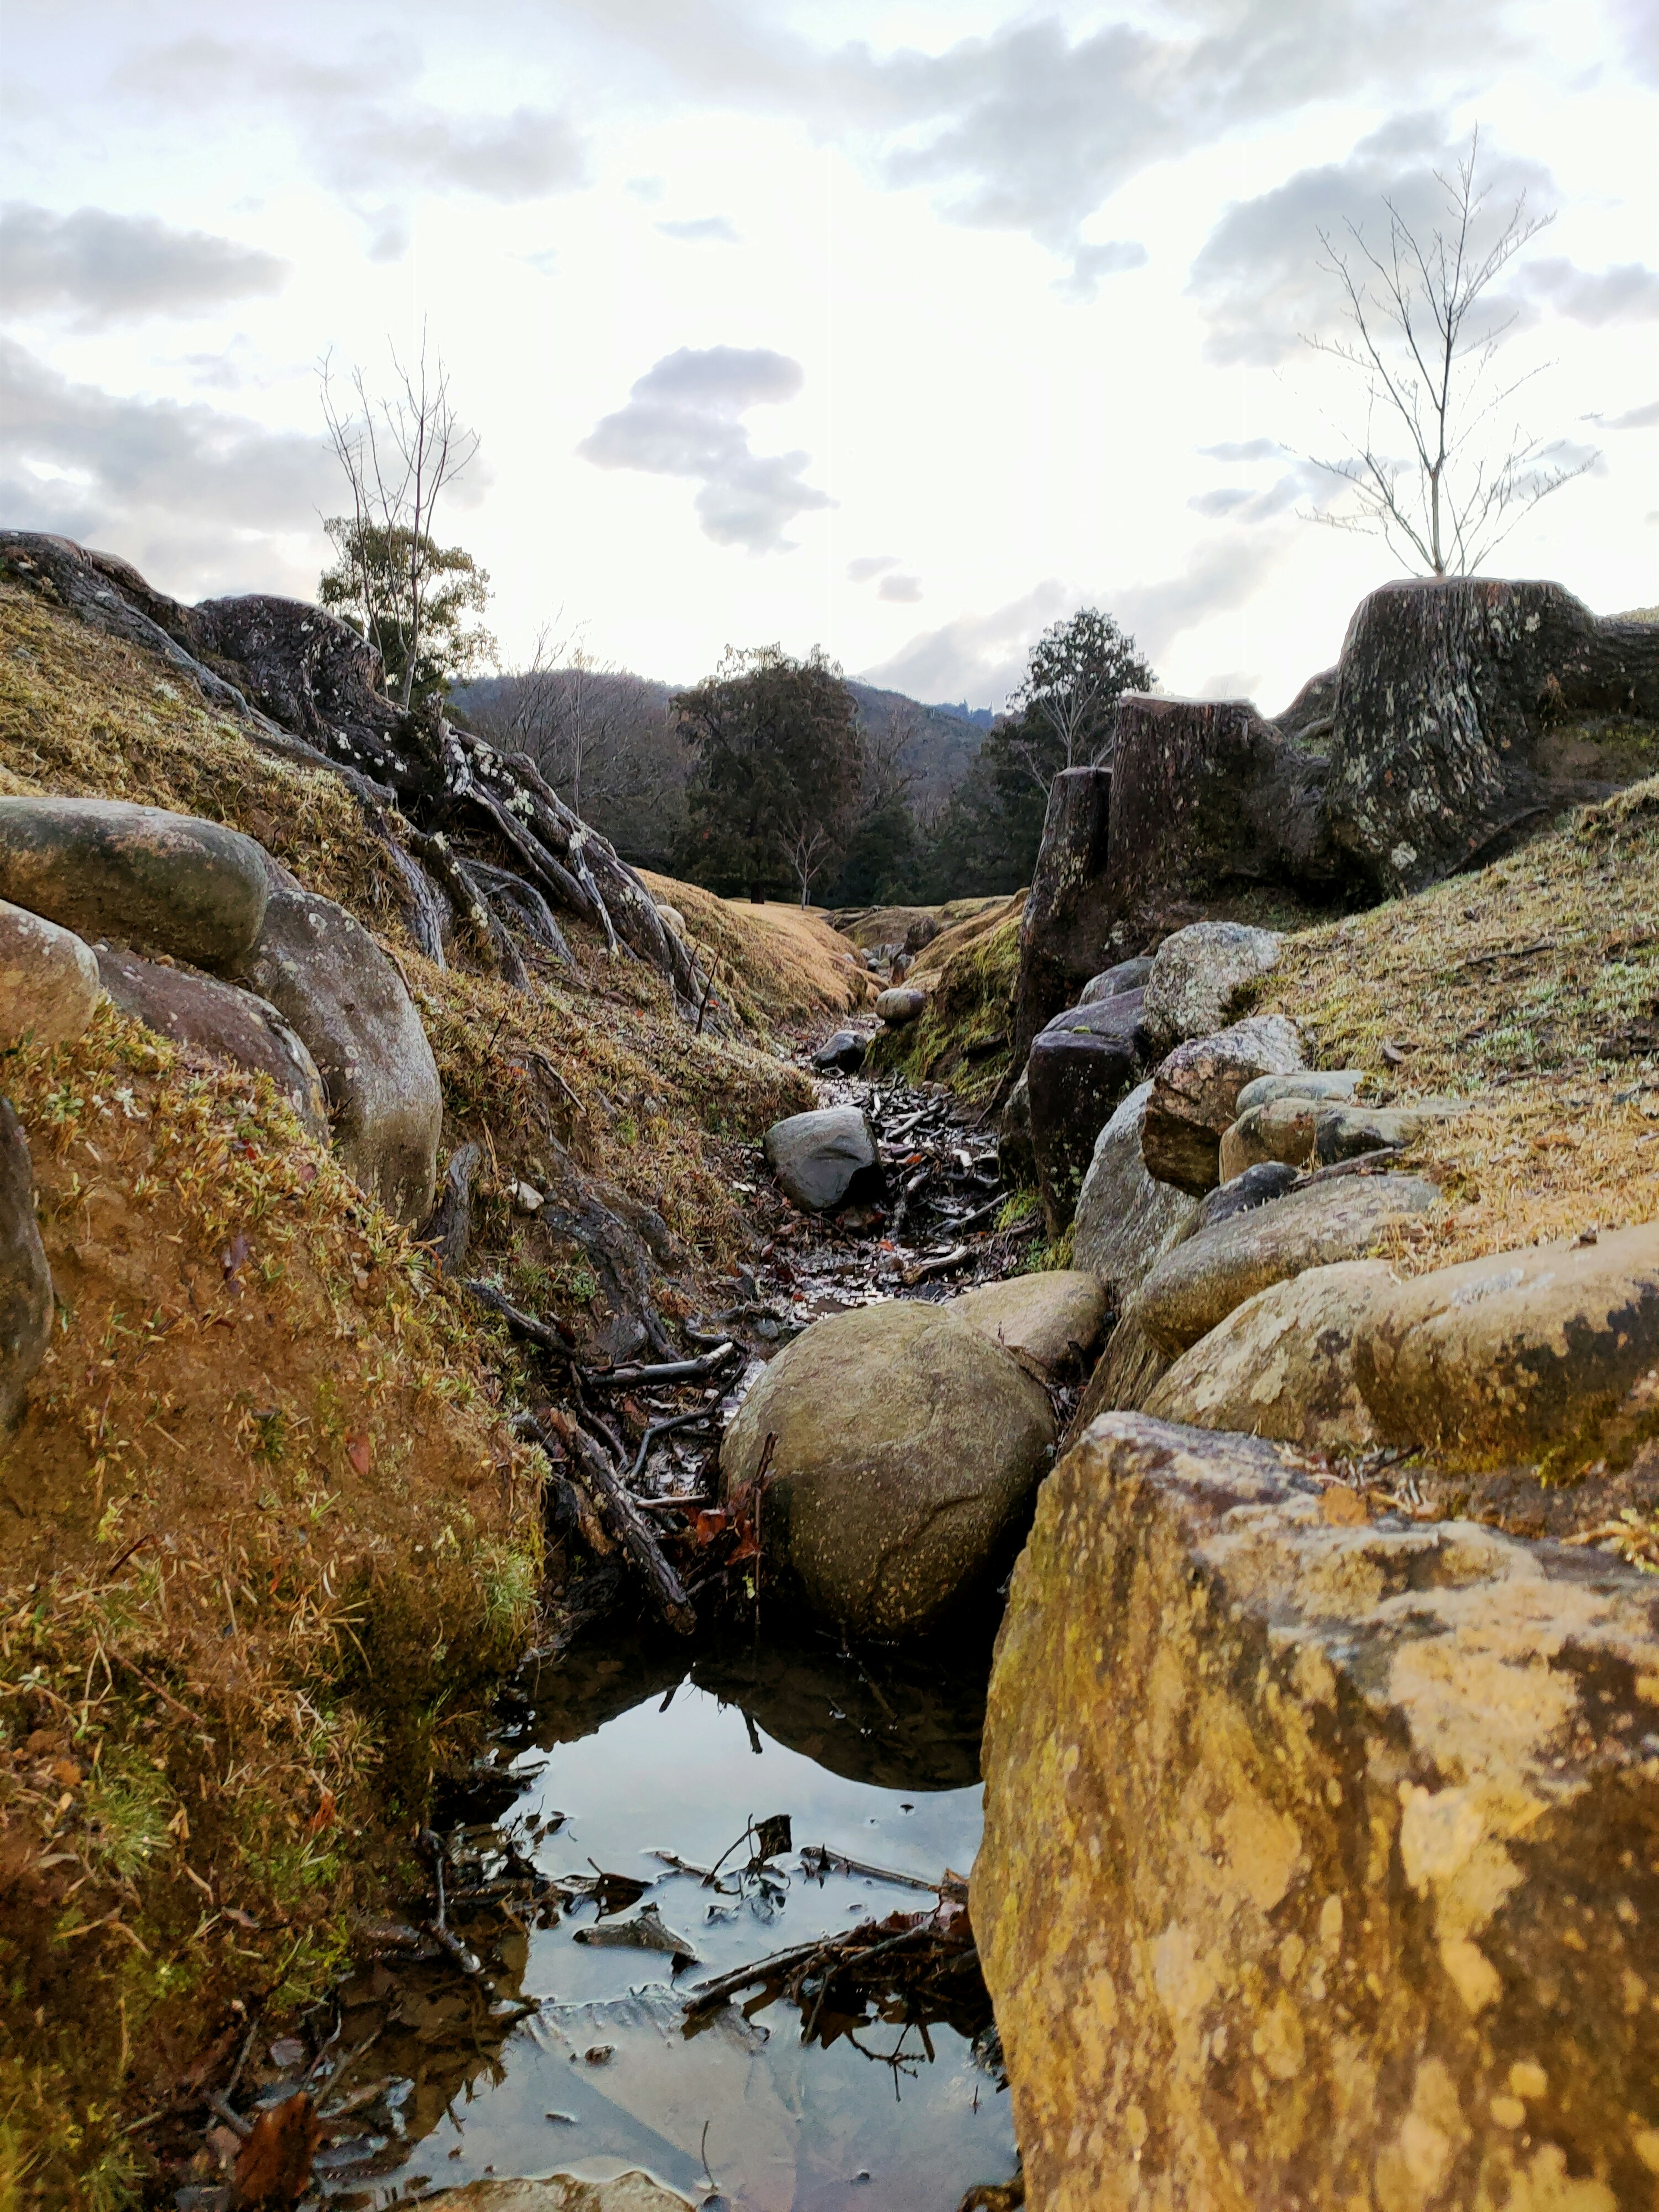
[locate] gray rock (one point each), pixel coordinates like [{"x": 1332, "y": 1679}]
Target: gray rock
[
  {"x": 907, "y": 1447},
  {"x": 1047, "y": 1319},
  {"x": 220, "y": 1018},
  {"x": 48, "y": 980},
  {"x": 1016, "y": 1158},
  {"x": 1331, "y": 1083},
  {"x": 1127, "y": 975},
  {"x": 1118, "y": 1015},
  {"x": 327, "y": 977},
  {"x": 824, "y": 1157},
  {"x": 1200, "y": 976},
  {"x": 25, "y": 1303},
  {"x": 900, "y": 1006},
  {"x": 1195, "y": 1091},
  {"x": 1125, "y": 1221},
  {"x": 1075, "y": 1077},
  {"x": 137, "y": 874},
  {"x": 1281, "y": 1365},
  {"x": 843, "y": 1052},
  {"x": 1198, "y": 1285},
  {"x": 1315, "y": 1132},
  {"x": 1257, "y": 1186}
]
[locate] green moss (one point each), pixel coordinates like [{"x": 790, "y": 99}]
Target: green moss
[{"x": 964, "y": 1037}]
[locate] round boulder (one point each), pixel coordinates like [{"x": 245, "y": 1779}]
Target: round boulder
[
  {"x": 1048, "y": 1321},
  {"x": 1200, "y": 976},
  {"x": 907, "y": 1449},
  {"x": 900, "y": 1006},
  {"x": 48, "y": 980},
  {"x": 137, "y": 874},
  {"x": 842, "y": 1053},
  {"x": 824, "y": 1157}
]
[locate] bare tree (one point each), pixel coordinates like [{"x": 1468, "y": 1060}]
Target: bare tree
[
  {"x": 1424, "y": 347},
  {"x": 889, "y": 772},
  {"x": 400, "y": 453},
  {"x": 806, "y": 844}
]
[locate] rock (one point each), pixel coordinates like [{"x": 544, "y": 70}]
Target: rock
[
  {"x": 1075, "y": 1079},
  {"x": 216, "y": 1018},
  {"x": 527, "y": 1201},
  {"x": 1048, "y": 1321},
  {"x": 136, "y": 874},
  {"x": 1112, "y": 982},
  {"x": 1308, "y": 1133},
  {"x": 1309, "y": 715},
  {"x": 1257, "y": 1186},
  {"x": 824, "y": 1157},
  {"x": 877, "y": 1506},
  {"x": 674, "y": 919},
  {"x": 1063, "y": 928},
  {"x": 1200, "y": 1282},
  {"x": 1281, "y": 1365},
  {"x": 1318, "y": 1864},
  {"x": 1116, "y": 1015},
  {"x": 900, "y": 1006},
  {"x": 1545, "y": 1354},
  {"x": 25, "y": 1301},
  {"x": 327, "y": 977},
  {"x": 48, "y": 980},
  {"x": 1452, "y": 729},
  {"x": 562, "y": 2192},
  {"x": 1200, "y": 976},
  {"x": 1329, "y": 1083},
  {"x": 1125, "y": 1221},
  {"x": 1195, "y": 1092},
  {"x": 843, "y": 1052},
  {"x": 1016, "y": 1159}
]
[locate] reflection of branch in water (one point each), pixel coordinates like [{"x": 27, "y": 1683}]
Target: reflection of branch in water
[{"x": 901, "y": 2063}]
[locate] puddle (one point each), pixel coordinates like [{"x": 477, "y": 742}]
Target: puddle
[{"x": 873, "y": 1756}]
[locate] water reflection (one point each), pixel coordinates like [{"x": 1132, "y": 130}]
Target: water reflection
[{"x": 620, "y": 1753}]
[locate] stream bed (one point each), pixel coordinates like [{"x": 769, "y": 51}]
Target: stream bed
[{"x": 628, "y": 1748}]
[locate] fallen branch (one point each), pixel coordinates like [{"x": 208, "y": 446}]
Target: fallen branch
[
  {"x": 622, "y": 1520},
  {"x": 942, "y": 1265},
  {"x": 661, "y": 1429},
  {"x": 521, "y": 1324},
  {"x": 670, "y": 1370}
]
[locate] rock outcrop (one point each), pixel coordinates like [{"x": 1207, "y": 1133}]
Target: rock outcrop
[
  {"x": 48, "y": 980},
  {"x": 1080, "y": 1066},
  {"x": 1195, "y": 1094},
  {"x": 1318, "y": 1865},
  {"x": 824, "y": 1157},
  {"x": 1050, "y": 1322},
  {"x": 26, "y": 1303},
  {"x": 1126, "y": 1220},
  {"x": 874, "y": 1505},
  {"x": 1063, "y": 931}
]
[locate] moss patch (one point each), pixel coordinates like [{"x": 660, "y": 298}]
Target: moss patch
[{"x": 965, "y": 1036}]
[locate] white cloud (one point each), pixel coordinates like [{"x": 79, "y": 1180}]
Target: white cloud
[
  {"x": 1628, "y": 293},
  {"x": 906, "y": 590},
  {"x": 860, "y": 571},
  {"x": 1634, "y": 418},
  {"x": 703, "y": 230},
  {"x": 103, "y": 267}
]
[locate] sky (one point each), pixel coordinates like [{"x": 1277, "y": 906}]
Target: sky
[{"x": 901, "y": 329}]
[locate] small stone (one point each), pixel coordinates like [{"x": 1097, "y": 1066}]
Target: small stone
[
  {"x": 48, "y": 980},
  {"x": 843, "y": 1052},
  {"x": 824, "y": 1158},
  {"x": 1257, "y": 1186},
  {"x": 527, "y": 1199},
  {"x": 1112, "y": 982},
  {"x": 1335, "y": 1083},
  {"x": 900, "y": 1006},
  {"x": 1195, "y": 1093}
]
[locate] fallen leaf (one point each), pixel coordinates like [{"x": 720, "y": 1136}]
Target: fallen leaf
[
  {"x": 772, "y": 1836},
  {"x": 709, "y": 1525},
  {"x": 235, "y": 1254},
  {"x": 273, "y": 2168},
  {"x": 287, "y": 2051},
  {"x": 324, "y": 1815},
  {"x": 66, "y": 1774},
  {"x": 1342, "y": 1508},
  {"x": 360, "y": 1450}
]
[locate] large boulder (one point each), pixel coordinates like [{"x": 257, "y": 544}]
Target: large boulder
[
  {"x": 25, "y": 1301},
  {"x": 823, "y": 1157},
  {"x": 1281, "y": 1365},
  {"x": 48, "y": 980},
  {"x": 1201, "y": 975},
  {"x": 1200, "y": 1282},
  {"x": 1547, "y": 1354},
  {"x": 1318, "y": 1865},
  {"x": 1449, "y": 695},
  {"x": 1050, "y": 1322},
  {"x": 1080, "y": 1066},
  {"x": 329, "y": 980},
  {"x": 103, "y": 868},
  {"x": 1195, "y": 1092},
  {"x": 907, "y": 1447},
  {"x": 842, "y": 1054},
  {"x": 1315, "y": 1132},
  {"x": 1113, "y": 982},
  {"x": 1126, "y": 1220},
  {"x": 221, "y": 1019},
  {"x": 1064, "y": 927},
  {"x": 900, "y": 1006}
]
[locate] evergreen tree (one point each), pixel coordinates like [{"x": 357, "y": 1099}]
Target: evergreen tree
[{"x": 368, "y": 587}]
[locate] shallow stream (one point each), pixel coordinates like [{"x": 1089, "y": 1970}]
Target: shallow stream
[{"x": 622, "y": 1750}]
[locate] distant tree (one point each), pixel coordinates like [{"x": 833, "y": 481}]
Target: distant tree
[
  {"x": 780, "y": 764},
  {"x": 1423, "y": 348},
  {"x": 399, "y": 455},
  {"x": 367, "y": 586},
  {"x": 601, "y": 737},
  {"x": 1059, "y": 716}
]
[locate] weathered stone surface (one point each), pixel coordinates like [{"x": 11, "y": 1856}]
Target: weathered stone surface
[
  {"x": 1115, "y": 1015},
  {"x": 1449, "y": 693},
  {"x": 1047, "y": 1321},
  {"x": 1312, "y": 1132},
  {"x": 1126, "y": 1222},
  {"x": 220, "y": 1018},
  {"x": 25, "y": 1305},
  {"x": 843, "y": 1052},
  {"x": 1331, "y": 1082},
  {"x": 1319, "y": 1860},
  {"x": 1257, "y": 1186},
  {"x": 329, "y": 980},
  {"x": 627, "y": 2192},
  {"x": 1201, "y": 1280},
  {"x": 1074, "y": 1078},
  {"x": 1199, "y": 976},
  {"x": 1063, "y": 929},
  {"x": 822, "y": 1158},
  {"x": 1547, "y": 1353},
  {"x": 140, "y": 875},
  {"x": 901, "y": 1006},
  {"x": 1016, "y": 1158},
  {"x": 1281, "y": 1365},
  {"x": 1112, "y": 982},
  {"x": 908, "y": 1448},
  {"x": 1195, "y": 1093},
  {"x": 48, "y": 980}
]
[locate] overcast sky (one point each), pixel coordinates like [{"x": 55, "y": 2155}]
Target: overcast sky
[{"x": 901, "y": 329}]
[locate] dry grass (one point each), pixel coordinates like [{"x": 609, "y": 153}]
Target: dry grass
[
  {"x": 1532, "y": 988},
  {"x": 776, "y": 965}
]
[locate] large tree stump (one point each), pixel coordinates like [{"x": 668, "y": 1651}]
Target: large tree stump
[{"x": 1459, "y": 720}]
